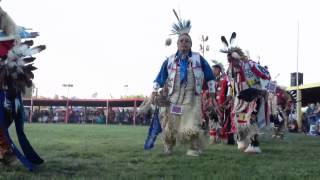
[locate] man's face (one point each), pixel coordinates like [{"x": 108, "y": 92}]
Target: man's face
[
  {"x": 216, "y": 71},
  {"x": 230, "y": 58},
  {"x": 233, "y": 61},
  {"x": 184, "y": 43}
]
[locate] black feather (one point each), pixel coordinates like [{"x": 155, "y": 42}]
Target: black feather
[
  {"x": 29, "y": 43},
  {"x": 232, "y": 38},
  {"x": 29, "y": 67},
  {"x": 224, "y": 41},
  {"x": 29, "y": 59},
  {"x": 187, "y": 23},
  {"x": 41, "y": 47},
  {"x": 29, "y": 75},
  {"x": 3, "y": 58},
  {"x": 175, "y": 13}
]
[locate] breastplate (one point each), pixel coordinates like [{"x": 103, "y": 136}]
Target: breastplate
[{"x": 183, "y": 93}]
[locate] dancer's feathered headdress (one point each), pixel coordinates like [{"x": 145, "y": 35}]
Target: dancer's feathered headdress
[
  {"x": 231, "y": 49},
  {"x": 16, "y": 56},
  {"x": 179, "y": 28}
]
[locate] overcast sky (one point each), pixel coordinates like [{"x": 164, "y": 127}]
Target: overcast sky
[{"x": 102, "y": 45}]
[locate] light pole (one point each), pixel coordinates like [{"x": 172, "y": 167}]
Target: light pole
[
  {"x": 126, "y": 89},
  {"x": 107, "y": 108},
  {"x": 275, "y": 78},
  {"x": 203, "y": 46},
  {"x": 31, "y": 103},
  {"x": 67, "y": 105},
  {"x": 36, "y": 93},
  {"x": 299, "y": 98}
]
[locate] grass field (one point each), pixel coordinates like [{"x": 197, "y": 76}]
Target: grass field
[{"x": 116, "y": 152}]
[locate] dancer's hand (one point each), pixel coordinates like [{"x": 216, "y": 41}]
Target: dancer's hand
[{"x": 153, "y": 97}]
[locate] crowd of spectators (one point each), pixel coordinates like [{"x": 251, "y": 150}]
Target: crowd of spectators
[
  {"x": 125, "y": 116},
  {"x": 89, "y": 115},
  {"x": 311, "y": 119}
]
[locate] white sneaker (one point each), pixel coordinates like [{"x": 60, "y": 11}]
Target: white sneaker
[
  {"x": 241, "y": 145},
  {"x": 194, "y": 153},
  {"x": 252, "y": 149}
]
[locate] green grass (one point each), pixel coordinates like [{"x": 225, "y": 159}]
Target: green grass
[{"x": 116, "y": 152}]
